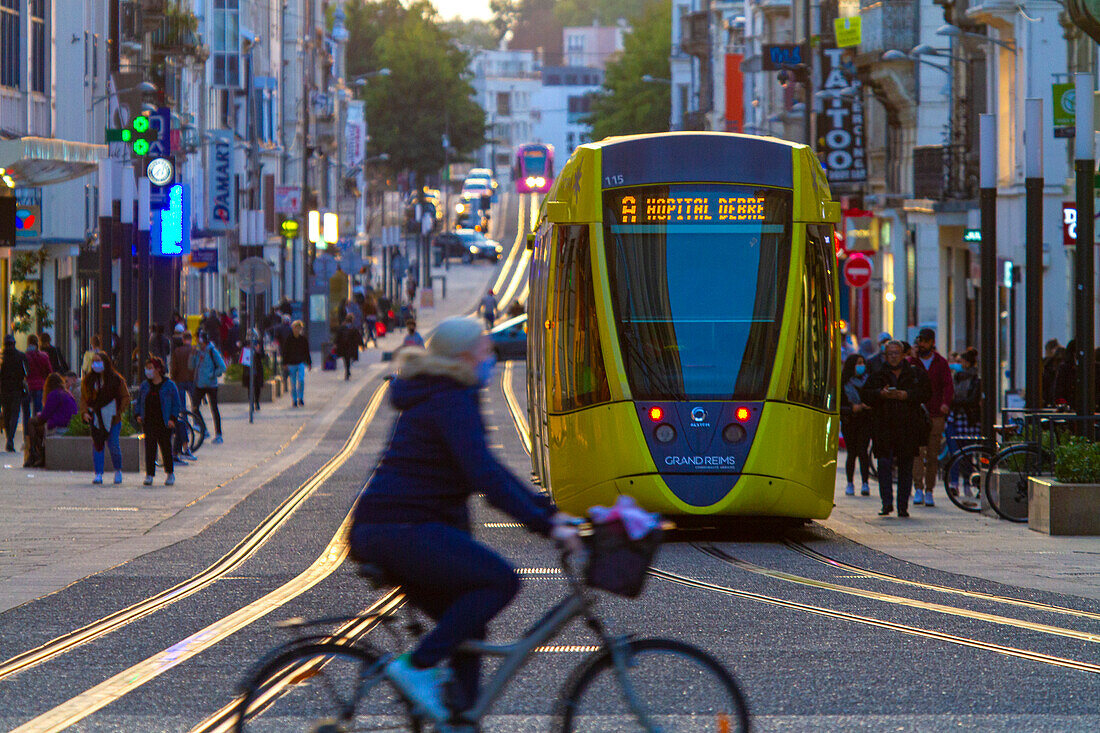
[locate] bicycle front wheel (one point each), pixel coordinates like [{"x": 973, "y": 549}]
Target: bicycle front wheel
[
  {"x": 322, "y": 687},
  {"x": 962, "y": 477},
  {"x": 1006, "y": 480},
  {"x": 662, "y": 685}
]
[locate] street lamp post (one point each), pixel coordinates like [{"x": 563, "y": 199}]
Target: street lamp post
[
  {"x": 1033, "y": 259},
  {"x": 988, "y": 307},
  {"x": 1084, "y": 168}
]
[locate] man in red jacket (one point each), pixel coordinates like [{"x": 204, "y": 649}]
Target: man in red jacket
[{"x": 927, "y": 463}]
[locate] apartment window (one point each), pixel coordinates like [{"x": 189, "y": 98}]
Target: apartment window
[
  {"x": 504, "y": 104},
  {"x": 579, "y": 107},
  {"x": 38, "y": 45},
  {"x": 225, "y": 43},
  {"x": 9, "y": 43}
]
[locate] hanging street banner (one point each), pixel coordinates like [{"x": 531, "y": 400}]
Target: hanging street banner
[
  {"x": 849, "y": 31},
  {"x": 221, "y": 193},
  {"x": 840, "y": 128},
  {"x": 355, "y": 135}
]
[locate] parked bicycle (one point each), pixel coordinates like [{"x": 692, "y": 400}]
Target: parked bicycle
[{"x": 654, "y": 684}]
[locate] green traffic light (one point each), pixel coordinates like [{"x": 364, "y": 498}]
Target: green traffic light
[
  {"x": 141, "y": 124},
  {"x": 141, "y": 147},
  {"x": 126, "y": 135}
]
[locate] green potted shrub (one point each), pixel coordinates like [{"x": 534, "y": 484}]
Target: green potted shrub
[{"x": 1066, "y": 504}]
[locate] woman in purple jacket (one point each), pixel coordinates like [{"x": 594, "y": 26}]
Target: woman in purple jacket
[
  {"x": 412, "y": 521},
  {"x": 58, "y": 410}
]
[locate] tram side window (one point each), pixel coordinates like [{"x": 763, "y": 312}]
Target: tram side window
[
  {"x": 813, "y": 376},
  {"x": 578, "y": 378}
]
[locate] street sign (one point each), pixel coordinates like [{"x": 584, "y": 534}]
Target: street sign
[
  {"x": 324, "y": 266},
  {"x": 171, "y": 231},
  {"x": 28, "y": 221},
  {"x": 972, "y": 235},
  {"x": 288, "y": 199},
  {"x": 777, "y": 56},
  {"x": 160, "y": 121},
  {"x": 1065, "y": 104},
  {"x": 253, "y": 275},
  {"x": 858, "y": 271}
]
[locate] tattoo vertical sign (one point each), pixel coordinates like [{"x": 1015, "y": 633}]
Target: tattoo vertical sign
[{"x": 840, "y": 131}]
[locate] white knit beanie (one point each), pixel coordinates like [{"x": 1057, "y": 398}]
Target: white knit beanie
[{"x": 455, "y": 336}]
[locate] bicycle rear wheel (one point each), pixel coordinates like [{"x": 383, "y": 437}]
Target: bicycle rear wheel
[
  {"x": 198, "y": 430},
  {"x": 962, "y": 477},
  {"x": 665, "y": 686},
  {"x": 325, "y": 688},
  {"x": 1006, "y": 480}
]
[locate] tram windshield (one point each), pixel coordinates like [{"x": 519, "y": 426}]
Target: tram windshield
[
  {"x": 698, "y": 277},
  {"x": 534, "y": 162}
]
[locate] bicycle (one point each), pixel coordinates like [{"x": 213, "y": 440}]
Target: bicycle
[
  {"x": 1006, "y": 479},
  {"x": 964, "y": 460},
  {"x": 663, "y": 685}
]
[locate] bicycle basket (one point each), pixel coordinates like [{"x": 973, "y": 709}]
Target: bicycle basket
[{"x": 616, "y": 563}]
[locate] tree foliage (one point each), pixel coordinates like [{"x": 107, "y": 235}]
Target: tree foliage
[
  {"x": 472, "y": 32},
  {"x": 627, "y": 105},
  {"x": 426, "y": 95}
]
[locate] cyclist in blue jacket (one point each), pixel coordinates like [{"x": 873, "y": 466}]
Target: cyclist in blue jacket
[{"x": 412, "y": 521}]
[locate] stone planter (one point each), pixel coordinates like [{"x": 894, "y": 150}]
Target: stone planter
[
  {"x": 1063, "y": 509},
  {"x": 74, "y": 453},
  {"x": 238, "y": 393}
]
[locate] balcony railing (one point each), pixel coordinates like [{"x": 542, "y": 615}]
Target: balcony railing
[
  {"x": 695, "y": 34},
  {"x": 943, "y": 172}
]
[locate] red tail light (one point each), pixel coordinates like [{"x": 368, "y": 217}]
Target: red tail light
[{"x": 656, "y": 413}]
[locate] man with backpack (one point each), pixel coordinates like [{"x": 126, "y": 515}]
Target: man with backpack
[{"x": 208, "y": 364}]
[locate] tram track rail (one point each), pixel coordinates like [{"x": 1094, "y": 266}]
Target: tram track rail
[
  {"x": 330, "y": 559},
  {"x": 718, "y": 554},
  {"x": 227, "y": 563}
]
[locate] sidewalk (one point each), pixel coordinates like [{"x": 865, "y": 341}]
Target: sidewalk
[
  {"x": 56, "y": 527},
  {"x": 946, "y": 538}
]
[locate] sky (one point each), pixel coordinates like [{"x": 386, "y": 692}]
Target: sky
[{"x": 463, "y": 8}]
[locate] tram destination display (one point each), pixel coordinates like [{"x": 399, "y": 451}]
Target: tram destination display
[{"x": 642, "y": 208}]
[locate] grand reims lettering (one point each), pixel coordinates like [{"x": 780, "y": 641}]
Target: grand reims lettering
[{"x": 662, "y": 210}]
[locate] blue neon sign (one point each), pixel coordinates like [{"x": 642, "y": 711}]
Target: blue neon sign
[{"x": 171, "y": 233}]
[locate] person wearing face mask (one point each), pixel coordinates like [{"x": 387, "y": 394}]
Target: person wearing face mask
[
  {"x": 895, "y": 394},
  {"x": 105, "y": 398},
  {"x": 855, "y": 422},
  {"x": 158, "y": 409},
  {"x": 966, "y": 404},
  {"x": 411, "y": 520},
  {"x": 935, "y": 367}
]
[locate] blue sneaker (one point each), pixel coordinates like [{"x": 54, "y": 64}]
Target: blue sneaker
[
  {"x": 865, "y": 490},
  {"x": 849, "y": 490},
  {"x": 928, "y": 501},
  {"x": 918, "y": 497},
  {"x": 423, "y": 687},
  {"x": 218, "y": 439}
]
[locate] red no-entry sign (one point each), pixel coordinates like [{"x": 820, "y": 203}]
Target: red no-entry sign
[{"x": 857, "y": 271}]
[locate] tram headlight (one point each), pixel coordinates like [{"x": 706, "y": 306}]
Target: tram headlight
[
  {"x": 734, "y": 433},
  {"x": 665, "y": 433},
  {"x": 540, "y": 182},
  {"x": 530, "y": 181}
]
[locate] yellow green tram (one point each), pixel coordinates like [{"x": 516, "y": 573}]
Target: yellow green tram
[{"x": 683, "y": 346}]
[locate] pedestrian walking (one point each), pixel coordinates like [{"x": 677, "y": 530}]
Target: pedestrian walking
[
  {"x": 965, "y": 420},
  {"x": 895, "y": 394},
  {"x": 158, "y": 409},
  {"x": 57, "y": 411},
  {"x": 1065, "y": 378},
  {"x": 182, "y": 373},
  {"x": 94, "y": 347},
  {"x": 253, "y": 357},
  {"x": 105, "y": 397},
  {"x": 487, "y": 309},
  {"x": 349, "y": 339},
  {"x": 57, "y": 359},
  {"x": 412, "y": 337},
  {"x": 160, "y": 345},
  {"x": 38, "y": 368},
  {"x": 938, "y": 405},
  {"x": 296, "y": 356},
  {"x": 876, "y": 362},
  {"x": 13, "y": 388},
  {"x": 855, "y": 423},
  {"x": 208, "y": 364}
]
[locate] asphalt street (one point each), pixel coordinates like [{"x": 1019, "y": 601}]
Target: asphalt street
[{"x": 875, "y": 643}]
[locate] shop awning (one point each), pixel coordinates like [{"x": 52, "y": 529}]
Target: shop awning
[{"x": 41, "y": 161}]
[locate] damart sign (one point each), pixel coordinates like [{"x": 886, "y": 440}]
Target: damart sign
[
  {"x": 221, "y": 202},
  {"x": 840, "y": 126}
]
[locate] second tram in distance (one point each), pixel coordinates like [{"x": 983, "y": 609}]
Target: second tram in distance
[
  {"x": 533, "y": 170},
  {"x": 683, "y": 347}
]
